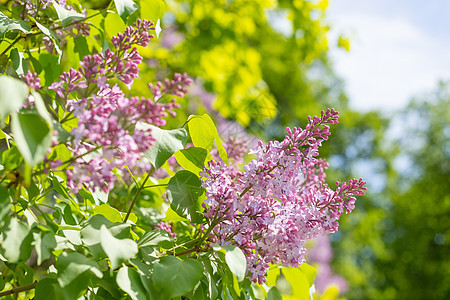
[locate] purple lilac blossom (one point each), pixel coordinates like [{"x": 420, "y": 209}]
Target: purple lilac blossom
[
  {"x": 279, "y": 201},
  {"x": 109, "y": 136},
  {"x": 167, "y": 228}
]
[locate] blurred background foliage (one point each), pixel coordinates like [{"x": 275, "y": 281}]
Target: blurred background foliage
[{"x": 266, "y": 65}]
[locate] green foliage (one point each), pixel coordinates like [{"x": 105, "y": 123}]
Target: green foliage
[
  {"x": 167, "y": 143},
  {"x": 235, "y": 260},
  {"x": 32, "y": 135},
  {"x": 96, "y": 245},
  {"x": 174, "y": 277},
  {"x": 183, "y": 192},
  {"x": 14, "y": 94}
]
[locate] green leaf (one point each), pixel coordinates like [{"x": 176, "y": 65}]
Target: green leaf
[
  {"x": 50, "y": 66},
  {"x": 54, "y": 38},
  {"x": 11, "y": 159},
  {"x": 15, "y": 244},
  {"x": 5, "y": 203},
  {"x": 109, "y": 212},
  {"x": 48, "y": 289},
  {"x": 32, "y": 135},
  {"x": 129, "y": 281},
  {"x": 91, "y": 234},
  {"x": 209, "y": 271},
  {"x": 66, "y": 16},
  {"x": 125, "y": 8},
  {"x": 192, "y": 159},
  {"x": 19, "y": 62},
  {"x": 174, "y": 277},
  {"x": 118, "y": 250},
  {"x": 81, "y": 46},
  {"x": 7, "y": 24},
  {"x": 274, "y": 294},
  {"x": 203, "y": 134},
  {"x": 153, "y": 238},
  {"x": 167, "y": 143},
  {"x": 13, "y": 94},
  {"x": 301, "y": 279},
  {"x": 172, "y": 216},
  {"x": 236, "y": 261},
  {"x": 152, "y": 10},
  {"x": 272, "y": 275},
  {"x": 44, "y": 243},
  {"x": 24, "y": 274},
  {"x": 183, "y": 192},
  {"x": 73, "y": 265},
  {"x": 57, "y": 186}
]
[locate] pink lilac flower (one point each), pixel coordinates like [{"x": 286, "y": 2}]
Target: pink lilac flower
[
  {"x": 32, "y": 80},
  {"x": 166, "y": 227},
  {"x": 280, "y": 200},
  {"x": 111, "y": 133}
]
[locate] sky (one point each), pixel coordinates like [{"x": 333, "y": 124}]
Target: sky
[{"x": 399, "y": 49}]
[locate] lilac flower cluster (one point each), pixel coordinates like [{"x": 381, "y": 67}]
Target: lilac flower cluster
[
  {"x": 279, "y": 201},
  {"x": 33, "y": 82},
  {"x": 166, "y": 227},
  {"x": 110, "y": 135},
  {"x": 97, "y": 69}
]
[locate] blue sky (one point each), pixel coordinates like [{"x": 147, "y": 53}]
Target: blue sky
[{"x": 399, "y": 49}]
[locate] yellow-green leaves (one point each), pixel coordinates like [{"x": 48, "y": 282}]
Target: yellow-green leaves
[
  {"x": 301, "y": 279},
  {"x": 192, "y": 159},
  {"x": 203, "y": 134}
]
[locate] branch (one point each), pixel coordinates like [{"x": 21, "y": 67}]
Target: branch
[
  {"x": 18, "y": 289},
  {"x": 137, "y": 194}
]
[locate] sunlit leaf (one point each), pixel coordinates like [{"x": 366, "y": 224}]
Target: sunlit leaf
[
  {"x": 153, "y": 238},
  {"x": 44, "y": 243},
  {"x": 125, "y": 8},
  {"x": 66, "y": 16},
  {"x": 192, "y": 159},
  {"x": 118, "y": 250},
  {"x": 7, "y": 24},
  {"x": 15, "y": 244},
  {"x": 71, "y": 265},
  {"x": 129, "y": 281},
  {"x": 5, "y": 203},
  {"x": 13, "y": 94},
  {"x": 203, "y": 133},
  {"x": 32, "y": 135}
]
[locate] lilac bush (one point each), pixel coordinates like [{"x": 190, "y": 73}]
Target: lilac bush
[{"x": 115, "y": 201}]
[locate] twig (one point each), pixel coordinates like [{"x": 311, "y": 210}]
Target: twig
[
  {"x": 18, "y": 289},
  {"x": 137, "y": 194}
]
